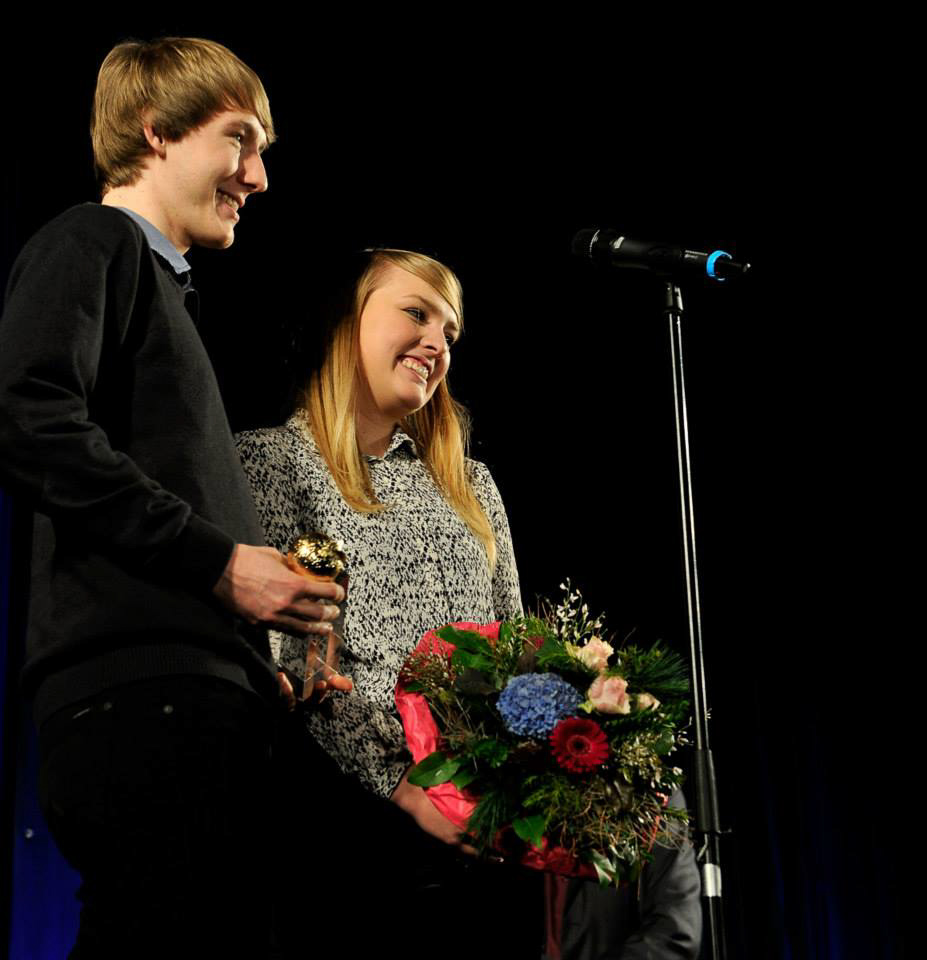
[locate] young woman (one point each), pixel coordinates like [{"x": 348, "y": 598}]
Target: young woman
[{"x": 375, "y": 456}]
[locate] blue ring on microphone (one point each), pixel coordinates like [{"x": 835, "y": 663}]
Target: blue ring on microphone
[{"x": 710, "y": 264}]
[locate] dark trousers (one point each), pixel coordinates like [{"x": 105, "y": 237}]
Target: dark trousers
[
  {"x": 364, "y": 880},
  {"x": 157, "y": 793}
]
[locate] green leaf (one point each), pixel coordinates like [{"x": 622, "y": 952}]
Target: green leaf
[
  {"x": 665, "y": 743},
  {"x": 478, "y": 661},
  {"x": 604, "y": 868},
  {"x": 659, "y": 671},
  {"x": 533, "y": 626},
  {"x": 434, "y": 769},
  {"x": 492, "y": 813},
  {"x": 463, "y": 778},
  {"x": 550, "y": 650},
  {"x": 465, "y": 640},
  {"x": 474, "y": 682},
  {"x": 553, "y": 656},
  {"x": 492, "y": 751},
  {"x": 531, "y": 829}
]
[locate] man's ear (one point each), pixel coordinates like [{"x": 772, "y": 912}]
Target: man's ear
[{"x": 156, "y": 142}]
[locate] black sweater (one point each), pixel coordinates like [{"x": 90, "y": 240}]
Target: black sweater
[{"x": 112, "y": 426}]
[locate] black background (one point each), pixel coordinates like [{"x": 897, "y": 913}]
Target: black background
[{"x": 489, "y": 146}]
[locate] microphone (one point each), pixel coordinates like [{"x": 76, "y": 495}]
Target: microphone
[{"x": 606, "y": 246}]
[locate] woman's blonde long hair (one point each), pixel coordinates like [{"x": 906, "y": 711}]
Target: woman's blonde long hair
[{"x": 440, "y": 429}]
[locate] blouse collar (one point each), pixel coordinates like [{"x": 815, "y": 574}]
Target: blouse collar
[{"x": 400, "y": 439}]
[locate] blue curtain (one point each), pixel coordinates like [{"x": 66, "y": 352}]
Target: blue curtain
[{"x": 40, "y": 918}]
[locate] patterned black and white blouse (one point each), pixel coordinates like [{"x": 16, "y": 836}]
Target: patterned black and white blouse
[{"x": 412, "y": 567}]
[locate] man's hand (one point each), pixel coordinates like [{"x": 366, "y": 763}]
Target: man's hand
[
  {"x": 415, "y": 802},
  {"x": 258, "y": 585}
]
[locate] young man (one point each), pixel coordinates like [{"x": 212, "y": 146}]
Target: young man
[{"x": 148, "y": 665}]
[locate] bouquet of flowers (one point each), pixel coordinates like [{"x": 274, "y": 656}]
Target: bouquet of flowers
[{"x": 539, "y": 738}]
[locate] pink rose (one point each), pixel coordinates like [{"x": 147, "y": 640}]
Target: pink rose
[
  {"x": 609, "y": 694},
  {"x": 594, "y": 654},
  {"x": 647, "y": 701}
]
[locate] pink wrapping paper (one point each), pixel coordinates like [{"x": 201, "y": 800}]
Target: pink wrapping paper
[{"x": 422, "y": 734}]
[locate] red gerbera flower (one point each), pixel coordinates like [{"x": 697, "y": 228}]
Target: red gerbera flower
[{"x": 579, "y": 744}]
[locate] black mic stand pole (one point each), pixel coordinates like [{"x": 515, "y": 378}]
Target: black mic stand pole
[{"x": 706, "y": 793}]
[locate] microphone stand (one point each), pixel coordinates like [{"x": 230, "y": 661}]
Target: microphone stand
[{"x": 706, "y": 792}]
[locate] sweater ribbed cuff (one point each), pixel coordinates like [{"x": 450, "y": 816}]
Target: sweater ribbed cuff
[{"x": 198, "y": 557}]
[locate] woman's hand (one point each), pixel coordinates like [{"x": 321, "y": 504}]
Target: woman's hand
[
  {"x": 334, "y": 682},
  {"x": 415, "y": 802}
]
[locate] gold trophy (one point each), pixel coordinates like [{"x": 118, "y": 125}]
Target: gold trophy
[{"x": 320, "y": 557}]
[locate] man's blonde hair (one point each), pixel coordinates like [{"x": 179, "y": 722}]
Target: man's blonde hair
[
  {"x": 176, "y": 84},
  {"x": 440, "y": 429}
]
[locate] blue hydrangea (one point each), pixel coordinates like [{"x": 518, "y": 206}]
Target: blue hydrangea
[{"x": 532, "y": 704}]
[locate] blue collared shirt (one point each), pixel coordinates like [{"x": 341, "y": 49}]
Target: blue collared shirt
[{"x": 159, "y": 243}]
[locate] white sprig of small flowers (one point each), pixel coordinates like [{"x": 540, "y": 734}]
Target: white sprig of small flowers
[{"x": 606, "y": 694}]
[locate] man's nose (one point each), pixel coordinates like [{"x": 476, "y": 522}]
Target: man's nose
[{"x": 252, "y": 173}]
